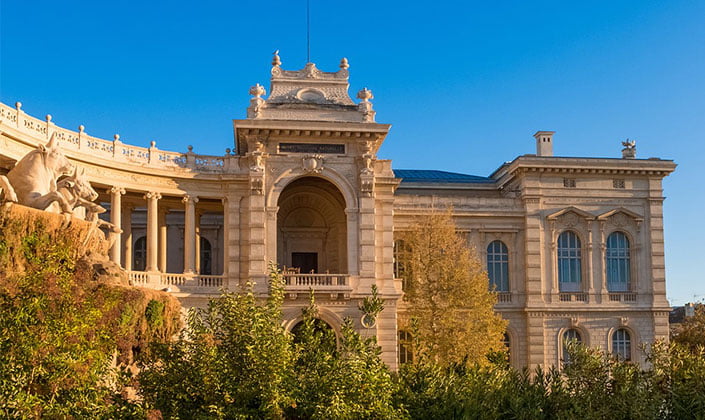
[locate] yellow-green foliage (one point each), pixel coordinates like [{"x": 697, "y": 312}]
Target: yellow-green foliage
[
  {"x": 451, "y": 309},
  {"x": 60, "y": 329}
]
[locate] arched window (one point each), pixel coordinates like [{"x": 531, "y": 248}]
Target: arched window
[
  {"x": 569, "y": 335},
  {"x": 139, "y": 254},
  {"x": 569, "y": 262},
  {"x": 498, "y": 266},
  {"x": 205, "y": 256},
  {"x": 622, "y": 344},
  {"x": 405, "y": 353},
  {"x": 617, "y": 263}
]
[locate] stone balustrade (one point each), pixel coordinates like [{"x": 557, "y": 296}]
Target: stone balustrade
[
  {"x": 504, "y": 297},
  {"x": 115, "y": 150},
  {"x": 624, "y": 297},
  {"x": 194, "y": 283},
  {"x": 334, "y": 284},
  {"x": 573, "y": 297}
]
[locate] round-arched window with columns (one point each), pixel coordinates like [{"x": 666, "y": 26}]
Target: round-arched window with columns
[
  {"x": 570, "y": 262},
  {"x": 618, "y": 262}
]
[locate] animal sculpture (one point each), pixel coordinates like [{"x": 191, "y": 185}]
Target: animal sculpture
[
  {"x": 32, "y": 182},
  {"x": 79, "y": 193}
]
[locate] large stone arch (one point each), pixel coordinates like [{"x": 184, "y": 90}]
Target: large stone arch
[
  {"x": 291, "y": 175},
  {"x": 311, "y": 226}
]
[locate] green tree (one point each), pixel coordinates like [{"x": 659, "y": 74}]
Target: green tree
[
  {"x": 339, "y": 379},
  {"x": 691, "y": 332},
  {"x": 234, "y": 360},
  {"x": 450, "y": 305}
]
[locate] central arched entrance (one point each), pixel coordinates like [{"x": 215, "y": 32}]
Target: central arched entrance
[{"x": 312, "y": 227}]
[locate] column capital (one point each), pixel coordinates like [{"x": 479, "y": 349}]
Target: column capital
[
  {"x": 189, "y": 198},
  {"x": 152, "y": 195},
  {"x": 116, "y": 190}
]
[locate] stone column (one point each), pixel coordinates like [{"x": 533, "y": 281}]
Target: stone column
[
  {"x": 197, "y": 242},
  {"x": 226, "y": 237},
  {"x": 162, "y": 240},
  {"x": 152, "y": 230},
  {"x": 189, "y": 233},
  {"x": 116, "y": 194},
  {"x": 127, "y": 238}
]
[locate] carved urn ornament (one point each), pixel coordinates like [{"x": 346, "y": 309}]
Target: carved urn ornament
[
  {"x": 312, "y": 163},
  {"x": 257, "y": 90},
  {"x": 365, "y": 95}
]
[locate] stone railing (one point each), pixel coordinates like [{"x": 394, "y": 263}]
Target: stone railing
[
  {"x": 179, "y": 282},
  {"x": 573, "y": 297},
  {"x": 116, "y": 150},
  {"x": 504, "y": 297},
  {"x": 138, "y": 278},
  {"x": 295, "y": 283},
  {"x": 296, "y": 279},
  {"x": 626, "y": 297}
]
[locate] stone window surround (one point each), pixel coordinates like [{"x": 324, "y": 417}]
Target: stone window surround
[{"x": 608, "y": 222}]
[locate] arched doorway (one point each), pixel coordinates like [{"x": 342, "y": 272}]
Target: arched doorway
[{"x": 312, "y": 227}]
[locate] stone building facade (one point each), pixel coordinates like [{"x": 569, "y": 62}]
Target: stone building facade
[{"x": 574, "y": 246}]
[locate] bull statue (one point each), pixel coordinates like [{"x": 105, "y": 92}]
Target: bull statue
[
  {"x": 79, "y": 193},
  {"x": 32, "y": 182}
]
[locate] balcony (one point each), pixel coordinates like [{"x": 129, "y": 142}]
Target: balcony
[
  {"x": 334, "y": 284},
  {"x": 177, "y": 282}
]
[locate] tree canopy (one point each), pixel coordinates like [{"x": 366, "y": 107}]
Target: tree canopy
[{"x": 451, "y": 309}]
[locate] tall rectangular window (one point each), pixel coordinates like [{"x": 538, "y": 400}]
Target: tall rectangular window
[
  {"x": 617, "y": 263},
  {"x": 569, "y": 262},
  {"x": 498, "y": 266}
]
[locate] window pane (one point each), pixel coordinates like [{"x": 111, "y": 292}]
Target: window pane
[
  {"x": 569, "y": 262},
  {"x": 568, "y": 336},
  {"x": 498, "y": 266},
  {"x": 617, "y": 264},
  {"x": 621, "y": 344}
]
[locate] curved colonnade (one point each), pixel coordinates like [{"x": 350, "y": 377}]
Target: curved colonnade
[{"x": 149, "y": 180}]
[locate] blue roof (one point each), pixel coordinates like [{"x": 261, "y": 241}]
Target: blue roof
[{"x": 431, "y": 176}]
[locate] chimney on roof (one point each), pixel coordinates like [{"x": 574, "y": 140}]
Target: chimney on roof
[
  {"x": 689, "y": 310},
  {"x": 544, "y": 143}
]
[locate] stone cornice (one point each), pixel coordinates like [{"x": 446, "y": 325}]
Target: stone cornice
[{"x": 524, "y": 165}]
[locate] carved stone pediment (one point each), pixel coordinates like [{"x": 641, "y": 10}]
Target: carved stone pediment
[
  {"x": 621, "y": 217},
  {"x": 570, "y": 217}
]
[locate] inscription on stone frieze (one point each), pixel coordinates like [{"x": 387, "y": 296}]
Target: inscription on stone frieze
[{"x": 336, "y": 149}]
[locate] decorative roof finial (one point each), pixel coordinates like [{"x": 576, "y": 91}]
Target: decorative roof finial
[
  {"x": 257, "y": 90},
  {"x": 365, "y": 94},
  {"x": 276, "y": 61},
  {"x": 629, "y": 151},
  {"x": 344, "y": 64}
]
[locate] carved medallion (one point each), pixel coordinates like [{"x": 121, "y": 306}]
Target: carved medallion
[{"x": 312, "y": 163}]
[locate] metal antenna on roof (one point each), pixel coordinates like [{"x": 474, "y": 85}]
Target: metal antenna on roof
[{"x": 308, "y": 31}]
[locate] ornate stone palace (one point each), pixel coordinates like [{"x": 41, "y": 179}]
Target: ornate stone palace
[{"x": 574, "y": 247}]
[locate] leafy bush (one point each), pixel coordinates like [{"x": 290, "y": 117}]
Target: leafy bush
[{"x": 60, "y": 331}]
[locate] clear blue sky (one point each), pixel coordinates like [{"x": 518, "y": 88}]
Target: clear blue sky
[{"x": 469, "y": 80}]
